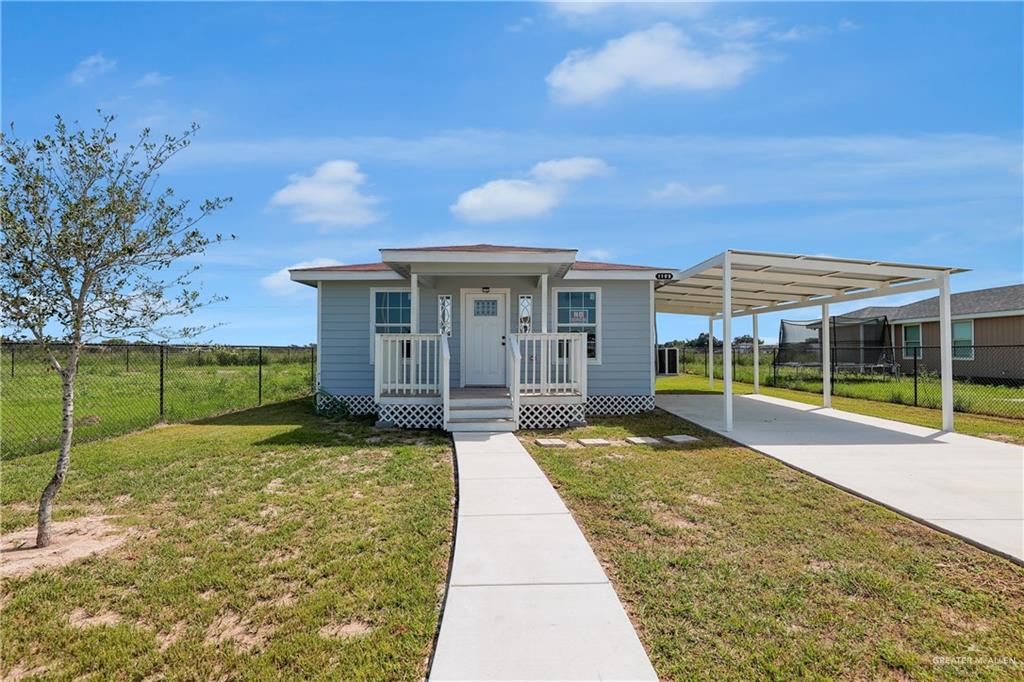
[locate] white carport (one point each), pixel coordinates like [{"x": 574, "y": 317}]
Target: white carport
[{"x": 740, "y": 283}]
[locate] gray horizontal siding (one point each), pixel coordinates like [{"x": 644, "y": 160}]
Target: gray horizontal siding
[{"x": 625, "y": 329}]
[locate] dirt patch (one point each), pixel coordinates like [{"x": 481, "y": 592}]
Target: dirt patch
[
  {"x": 275, "y": 486},
  {"x": 208, "y": 594},
  {"x": 122, "y": 500},
  {"x": 357, "y": 495},
  {"x": 667, "y": 518},
  {"x": 280, "y": 555},
  {"x": 270, "y": 512},
  {"x": 20, "y": 672},
  {"x": 164, "y": 640},
  {"x": 347, "y": 630},
  {"x": 21, "y": 507},
  {"x": 816, "y": 566},
  {"x": 703, "y": 500},
  {"x": 71, "y": 540},
  {"x": 80, "y": 618},
  {"x": 231, "y": 627}
]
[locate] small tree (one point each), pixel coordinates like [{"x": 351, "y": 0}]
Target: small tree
[{"x": 91, "y": 250}]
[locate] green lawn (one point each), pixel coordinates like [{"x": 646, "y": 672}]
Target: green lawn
[
  {"x": 733, "y": 566},
  {"x": 999, "y": 428},
  {"x": 111, "y": 400},
  {"x": 328, "y": 542}
]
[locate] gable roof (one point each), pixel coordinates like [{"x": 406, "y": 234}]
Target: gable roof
[
  {"x": 358, "y": 267},
  {"x": 982, "y": 301},
  {"x": 484, "y": 248}
]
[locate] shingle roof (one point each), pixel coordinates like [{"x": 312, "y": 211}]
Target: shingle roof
[
  {"x": 485, "y": 248},
  {"x": 994, "y": 300},
  {"x": 873, "y": 311},
  {"x": 594, "y": 265}
]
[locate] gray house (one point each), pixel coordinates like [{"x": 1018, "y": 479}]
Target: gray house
[{"x": 484, "y": 337}]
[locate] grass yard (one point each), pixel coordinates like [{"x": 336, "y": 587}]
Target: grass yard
[
  {"x": 733, "y": 566},
  {"x": 264, "y": 544},
  {"x": 110, "y": 400},
  {"x": 998, "y": 428}
]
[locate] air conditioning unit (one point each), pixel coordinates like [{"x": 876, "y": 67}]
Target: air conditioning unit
[{"x": 668, "y": 360}]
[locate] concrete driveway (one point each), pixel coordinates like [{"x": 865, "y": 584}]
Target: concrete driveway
[{"x": 970, "y": 487}]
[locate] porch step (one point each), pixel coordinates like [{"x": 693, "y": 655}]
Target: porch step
[
  {"x": 502, "y": 411},
  {"x": 463, "y": 425},
  {"x": 474, "y": 403}
]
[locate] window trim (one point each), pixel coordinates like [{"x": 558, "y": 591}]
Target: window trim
[
  {"x": 373, "y": 313},
  {"x": 598, "y": 323},
  {"x": 952, "y": 340},
  {"x": 920, "y": 342}
]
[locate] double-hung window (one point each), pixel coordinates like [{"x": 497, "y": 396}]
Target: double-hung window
[
  {"x": 391, "y": 313},
  {"x": 963, "y": 340},
  {"x": 912, "y": 341},
  {"x": 579, "y": 310}
]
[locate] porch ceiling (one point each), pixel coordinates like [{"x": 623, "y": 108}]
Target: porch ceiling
[{"x": 767, "y": 282}]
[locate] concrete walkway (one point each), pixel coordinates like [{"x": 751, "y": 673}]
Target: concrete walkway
[
  {"x": 528, "y": 599},
  {"x": 971, "y": 487}
]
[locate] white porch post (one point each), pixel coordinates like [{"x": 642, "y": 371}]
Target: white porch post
[
  {"x": 946, "y": 352},
  {"x": 826, "y": 356},
  {"x": 711, "y": 353},
  {"x": 544, "y": 303},
  {"x": 757, "y": 357},
  {"x": 414, "y": 303},
  {"x": 727, "y": 339}
]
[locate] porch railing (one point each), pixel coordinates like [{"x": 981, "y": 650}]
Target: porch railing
[
  {"x": 407, "y": 365},
  {"x": 553, "y": 364},
  {"x": 446, "y": 378},
  {"x": 515, "y": 365}
]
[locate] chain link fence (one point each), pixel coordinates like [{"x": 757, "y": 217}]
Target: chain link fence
[
  {"x": 125, "y": 387},
  {"x": 987, "y": 380}
]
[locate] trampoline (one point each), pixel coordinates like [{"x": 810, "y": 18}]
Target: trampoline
[{"x": 857, "y": 345}]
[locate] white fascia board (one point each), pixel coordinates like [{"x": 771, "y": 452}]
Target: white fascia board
[
  {"x": 642, "y": 275},
  {"x": 356, "y": 275},
  {"x": 412, "y": 256},
  {"x": 841, "y": 267}
]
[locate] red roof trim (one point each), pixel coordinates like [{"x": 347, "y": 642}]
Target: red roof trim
[
  {"x": 484, "y": 248},
  {"x": 358, "y": 267}
]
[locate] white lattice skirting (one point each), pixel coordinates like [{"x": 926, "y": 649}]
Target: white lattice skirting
[
  {"x": 415, "y": 416},
  {"x": 357, "y": 404},
  {"x": 550, "y": 416},
  {"x": 619, "y": 404}
]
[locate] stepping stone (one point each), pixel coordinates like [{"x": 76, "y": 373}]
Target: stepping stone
[
  {"x": 593, "y": 442},
  {"x": 681, "y": 439},
  {"x": 550, "y": 442},
  {"x": 643, "y": 440}
]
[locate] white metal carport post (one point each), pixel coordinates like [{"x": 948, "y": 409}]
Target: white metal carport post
[
  {"x": 757, "y": 357},
  {"x": 727, "y": 339},
  {"x": 945, "y": 352},
  {"x": 826, "y": 357}
]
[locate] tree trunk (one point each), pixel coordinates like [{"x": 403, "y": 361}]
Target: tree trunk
[{"x": 63, "y": 459}]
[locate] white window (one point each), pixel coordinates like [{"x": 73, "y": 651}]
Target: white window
[
  {"x": 444, "y": 314},
  {"x": 963, "y": 340},
  {"x": 525, "y": 313},
  {"x": 912, "y": 341},
  {"x": 579, "y": 310},
  {"x": 390, "y": 313}
]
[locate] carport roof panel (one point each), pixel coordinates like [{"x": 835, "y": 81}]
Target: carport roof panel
[{"x": 764, "y": 281}]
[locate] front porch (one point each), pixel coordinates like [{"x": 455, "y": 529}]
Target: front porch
[{"x": 544, "y": 383}]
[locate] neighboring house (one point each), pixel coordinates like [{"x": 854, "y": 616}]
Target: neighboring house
[
  {"x": 988, "y": 332},
  {"x": 465, "y": 337}
]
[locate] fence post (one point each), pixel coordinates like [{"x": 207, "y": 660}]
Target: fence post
[
  {"x": 259, "y": 388},
  {"x": 163, "y": 348},
  {"x": 915, "y": 377}
]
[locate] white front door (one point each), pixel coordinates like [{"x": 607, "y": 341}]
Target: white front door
[{"x": 484, "y": 355}]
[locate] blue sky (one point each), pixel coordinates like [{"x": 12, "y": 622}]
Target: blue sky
[{"x": 872, "y": 130}]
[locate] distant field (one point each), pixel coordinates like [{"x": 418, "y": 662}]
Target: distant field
[{"x": 111, "y": 400}]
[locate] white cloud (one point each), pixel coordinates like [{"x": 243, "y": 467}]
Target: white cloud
[
  {"x": 279, "y": 283},
  {"x": 520, "y": 26},
  {"x": 330, "y": 196},
  {"x": 799, "y": 33},
  {"x": 597, "y": 254},
  {"x": 737, "y": 29},
  {"x": 680, "y": 192},
  {"x": 848, "y": 25},
  {"x": 90, "y": 67},
  {"x": 510, "y": 199},
  {"x": 658, "y": 58},
  {"x": 615, "y": 13},
  {"x": 506, "y": 200},
  {"x": 573, "y": 168},
  {"x": 152, "y": 79}
]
